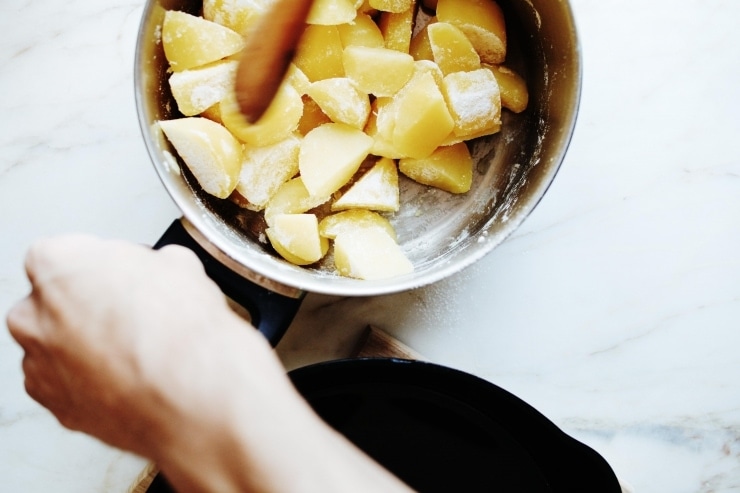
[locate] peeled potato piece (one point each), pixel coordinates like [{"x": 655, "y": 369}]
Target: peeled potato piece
[
  {"x": 474, "y": 101},
  {"x": 330, "y": 155},
  {"x": 213, "y": 113},
  {"x": 369, "y": 253},
  {"x": 377, "y": 71},
  {"x": 264, "y": 169},
  {"x": 313, "y": 116},
  {"x": 391, "y": 5},
  {"x": 335, "y": 224},
  {"x": 238, "y": 15},
  {"x": 376, "y": 190},
  {"x": 190, "y": 41},
  {"x": 291, "y": 198},
  {"x": 483, "y": 23},
  {"x": 362, "y": 31},
  {"x": 420, "y": 48},
  {"x": 452, "y": 50},
  {"x": 198, "y": 89},
  {"x": 212, "y": 154},
  {"x": 423, "y": 119},
  {"x": 513, "y": 87},
  {"x": 331, "y": 12},
  {"x": 418, "y": 110},
  {"x": 319, "y": 53},
  {"x": 422, "y": 66},
  {"x": 448, "y": 168},
  {"x": 341, "y": 101},
  {"x": 295, "y": 77},
  {"x": 381, "y": 133},
  {"x": 296, "y": 238},
  {"x": 397, "y": 28}
]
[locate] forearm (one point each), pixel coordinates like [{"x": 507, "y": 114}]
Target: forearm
[{"x": 264, "y": 438}]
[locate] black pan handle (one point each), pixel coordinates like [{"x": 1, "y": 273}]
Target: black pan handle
[{"x": 271, "y": 312}]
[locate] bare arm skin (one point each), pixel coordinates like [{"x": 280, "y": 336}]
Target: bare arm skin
[{"x": 139, "y": 349}]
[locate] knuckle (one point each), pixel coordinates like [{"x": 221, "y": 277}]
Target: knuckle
[
  {"x": 20, "y": 321},
  {"x": 182, "y": 254}
]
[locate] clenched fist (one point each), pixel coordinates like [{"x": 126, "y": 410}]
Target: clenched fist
[{"x": 139, "y": 348}]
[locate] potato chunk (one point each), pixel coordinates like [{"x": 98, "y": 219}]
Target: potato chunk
[
  {"x": 362, "y": 31},
  {"x": 377, "y": 71},
  {"x": 391, "y": 5},
  {"x": 341, "y": 101},
  {"x": 296, "y": 238},
  {"x": 335, "y": 224},
  {"x": 474, "y": 101},
  {"x": 380, "y": 128},
  {"x": 448, "y": 168},
  {"x": 369, "y": 253},
  {"x": 313, "y": 116},
  {"x": 376, "y": 190},
  {"x": 483, "y": 23},
  {"x": 212, "y": 154},
  {"x": 319, "y": 53},
  {"x": 266, "y": 168},
  {"x": 198, "y": 89},
  {"x": 331, "y": 12},
  {"x": 191, "y": 41},
  {"x": 238, "y": 15},
  {"x": 452, "y": 50},
  {"x": 422, "y": 117},
  {"x": 420, "y": 48},
  {"x": 397, "y": 28},
  {"x": 330, "y": 155},
  {"x": 513, "y": 87},
  {"x": 291, "y": 198}
]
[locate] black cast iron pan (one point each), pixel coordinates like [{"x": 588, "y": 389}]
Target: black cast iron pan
[{"x": 443, "y": 430}]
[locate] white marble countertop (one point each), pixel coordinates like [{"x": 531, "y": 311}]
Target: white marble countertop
[{"x": 614, "y": 309}]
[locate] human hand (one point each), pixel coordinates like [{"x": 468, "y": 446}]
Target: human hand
[
  {"x": 110, "y": 328},
  {"x": 139, "y": 348}
]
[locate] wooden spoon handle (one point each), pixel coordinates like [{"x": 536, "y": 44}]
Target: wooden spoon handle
[{"x": 269, "y": 48}]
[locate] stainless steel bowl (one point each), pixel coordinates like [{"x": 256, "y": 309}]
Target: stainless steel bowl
[{"x": 441, "y": 233}]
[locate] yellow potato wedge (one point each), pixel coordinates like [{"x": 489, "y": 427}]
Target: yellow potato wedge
[
  {"x": 334, "y": 224},
  {"x": 376, "y": 190},
  {"x": 483, "y": 23},
  {"x": 513, "y": 87},
  {"x": 448, "y": 168},
  {"x": 331, "y": 12},
  {"x": 212, "y": 154},
  {"x": 377, "y": 71},
  {"x": 341, "y": 101},
  {"x": 330, "y": 155},
  {"x": 264, "y": 169},
  {"x": 296, "y": 238},
  {"x": 190, "y": 41},
  {"x": 369, "y": 253},
  {"x": 474, "y": 101},
  {"x": 195, "y": 90},
  {"x": 319, "y": 53},
  {"x": 362, "y": 31}
]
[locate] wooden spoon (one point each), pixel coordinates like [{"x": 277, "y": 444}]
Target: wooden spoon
[{"x": 269, "y": 48}]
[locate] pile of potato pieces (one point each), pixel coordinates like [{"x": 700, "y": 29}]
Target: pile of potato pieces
[{"x": 369, "y": 94}]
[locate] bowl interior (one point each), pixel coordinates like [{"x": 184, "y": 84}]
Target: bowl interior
[{"x": 441, "y": 233}]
